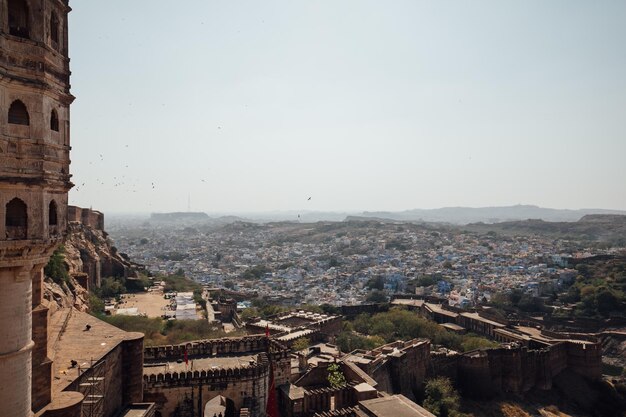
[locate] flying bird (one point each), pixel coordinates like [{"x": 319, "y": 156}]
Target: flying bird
[{"x": 308, "y": 199}]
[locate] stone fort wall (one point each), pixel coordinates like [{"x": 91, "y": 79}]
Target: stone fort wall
[
  {"x": 247, "y": 386},
  {"x": 88, "y": 217},
  {"x": 515, "y": 369}
]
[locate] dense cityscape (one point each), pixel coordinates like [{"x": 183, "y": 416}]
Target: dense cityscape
[{"x": 326, "y": 262}]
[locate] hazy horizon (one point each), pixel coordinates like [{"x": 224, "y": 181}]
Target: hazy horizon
[
  {"x": 307, "y": 211},
  {"x": 361, "y": 105}
]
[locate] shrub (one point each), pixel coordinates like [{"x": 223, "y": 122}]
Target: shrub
[{"x": 56, "y": 268}]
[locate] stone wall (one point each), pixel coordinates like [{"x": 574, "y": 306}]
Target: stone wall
[
  {"x": 515, "y": 369},
  {"x": 87, "y": 217},
  {"x": 226, "y": 346},
  {"x": 247, "y": 386},
  {"x": 399, "y": 367},
  {"x": 118, "y": 378},
  {"x": 319, "y": 400}
]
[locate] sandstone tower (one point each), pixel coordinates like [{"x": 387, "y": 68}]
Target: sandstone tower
[{"x": 34, "y": 181}]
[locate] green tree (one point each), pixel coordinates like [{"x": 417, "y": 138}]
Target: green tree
[
  {"x": 606, "y": 301},
  {"x": 441, "y": 398},
  {"x": 376, "y": 296},
  {"x": 376, "y": 283},
  {"x": 336, "y": 378},
  {"x": 96, "y": 305},
  {"x": 248, "y": 313},
  {"x": 516, "y": 296},
  {"x": 111, "y": 287},
  {"x": 301, "y": 344}
]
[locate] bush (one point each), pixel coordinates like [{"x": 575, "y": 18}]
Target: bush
[
  {"x": 166, "y": 332},
  {"x": 179, "y": 283},
  {"x": 111, "y": 287},
  {"x": 96, "y": 305},
  {"x": 255, "y": 272},
  {"x": 336, "y": 378},
  {"x": 301, "y": 344},
  {"x": 349, "y": 341},
  {"x": 441, "y": 398},
  {"x": 56, "y": 268},
  {"x": 376, "y": 283},
  {"x": 400, "y": 324},
  {"x": 376, "y": 296}
]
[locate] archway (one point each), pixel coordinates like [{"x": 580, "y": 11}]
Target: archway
[
  {"x": 16, "y": 221},
  {"x": 219, "y": 406},
  {"x": 18, "y": 18},
  {"x": 52, "y": 214},
  {"x": 54, "y": 120},
  {"x": 18, "y": 114}
]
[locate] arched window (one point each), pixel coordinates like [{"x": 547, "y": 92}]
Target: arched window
[
  {"x": 54, "y": 28},
  {"x": 18, "y": 114},
  {"x": 54, "y": 120},
  {"x": 16, "y": 219},
  {"x": 18, "y": 18},
  {"x": 52, "y": 213}
]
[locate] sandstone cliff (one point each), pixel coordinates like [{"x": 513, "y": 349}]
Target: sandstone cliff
[
  {"x": 57, "y": 296},
  {"x": 89, "y": 256}
]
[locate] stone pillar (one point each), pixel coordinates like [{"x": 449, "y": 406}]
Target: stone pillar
[
  {"x": 15, "y": 340},
  {"x": 42, "y": 365}
]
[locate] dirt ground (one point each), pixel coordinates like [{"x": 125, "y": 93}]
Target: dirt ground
[{"x": 151, "y": 304}]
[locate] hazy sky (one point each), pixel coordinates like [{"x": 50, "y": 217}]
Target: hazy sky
[{"x": 361, "y": 105}]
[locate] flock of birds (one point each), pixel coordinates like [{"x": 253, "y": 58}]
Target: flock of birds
[{"x": 122, "y": 180}]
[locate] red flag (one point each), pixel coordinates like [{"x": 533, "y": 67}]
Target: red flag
[
  {"x": 267, "y": 330},
  {"x": 271, "y": 409}
]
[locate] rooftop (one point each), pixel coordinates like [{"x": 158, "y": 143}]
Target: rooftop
[
  {"x": 394, "y": 406},
  {"x": 407, "y": 302},
  {"x": 197, "y": 364},
  {"x": 476, "y": 316},
  {"x": 69, "y": 339}
]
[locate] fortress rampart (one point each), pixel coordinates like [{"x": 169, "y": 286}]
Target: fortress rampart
[
  {"x": 517, "y": 369},
  {"x": 245, "y": 382},
  {"x": 88, "y": 217}
]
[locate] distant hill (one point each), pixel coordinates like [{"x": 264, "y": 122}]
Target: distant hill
[
  {"x": 608, "y": 228},
  {"x": 179, "y": 216},
  {"x": 466, "y": 215}
]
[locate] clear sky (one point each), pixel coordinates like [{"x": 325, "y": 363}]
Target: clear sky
[{"x": 360, "y": 105}]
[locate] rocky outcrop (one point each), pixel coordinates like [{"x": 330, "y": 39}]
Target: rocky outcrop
[
  {"x": 62, "y": 296},
  {"x": 90, "y": 256}
]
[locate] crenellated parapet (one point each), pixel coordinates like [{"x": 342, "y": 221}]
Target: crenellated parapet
[
  {"x": 259, "y": 369},
  {"x": 215, "y": 347}
]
